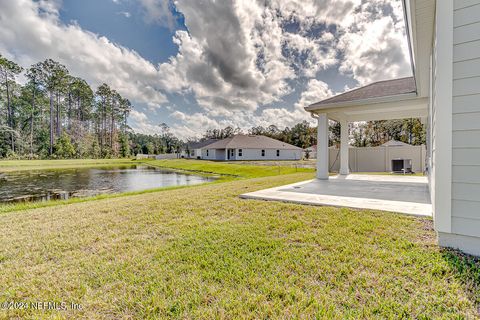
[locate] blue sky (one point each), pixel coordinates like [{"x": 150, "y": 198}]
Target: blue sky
[
  {"x": 206, "y": 64},
  {"x": 122, "y": 22}
]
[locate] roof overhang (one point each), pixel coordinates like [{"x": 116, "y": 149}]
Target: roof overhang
[
  {"x": 384, "y": 108},
  {"x": 419, "y": 23}
]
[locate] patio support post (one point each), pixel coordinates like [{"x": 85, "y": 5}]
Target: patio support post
[
  {"x": 322, "y": 147},
  {"x": 344, "y": 170}
]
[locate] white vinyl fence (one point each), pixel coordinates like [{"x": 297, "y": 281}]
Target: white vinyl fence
[
  {"x": 379, "y": 159},
  {"x": 158, "y": 156}
]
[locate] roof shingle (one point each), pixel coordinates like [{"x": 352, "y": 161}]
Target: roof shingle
[
  {"x": 201, "y": 144},
  {"x": 241, "y": 141},
  {"x": 374, "y": 90}
]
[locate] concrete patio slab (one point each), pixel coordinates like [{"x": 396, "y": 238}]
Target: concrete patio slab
[{"x": 403, "y": 194}]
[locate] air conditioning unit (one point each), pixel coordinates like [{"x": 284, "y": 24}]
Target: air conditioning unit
[{"x": 402, "y": 166}]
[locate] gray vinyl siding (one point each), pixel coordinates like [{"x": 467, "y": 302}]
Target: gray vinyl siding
[
  {"x": 270, "y": 154},
  {"x": 213, "y": 154},
  {"x": 253, "y": 154},
  {"x": 466, "y": 118}
]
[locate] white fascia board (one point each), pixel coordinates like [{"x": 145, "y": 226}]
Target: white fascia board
[
  {"x": 408, "y": 108},
  {"x": 399, "y": 97}
]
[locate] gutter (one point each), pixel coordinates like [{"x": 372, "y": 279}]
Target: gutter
[{"x": 410, "y": 49}]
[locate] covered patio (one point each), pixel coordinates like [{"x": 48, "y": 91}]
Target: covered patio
[{"x": 384, "y": 100}]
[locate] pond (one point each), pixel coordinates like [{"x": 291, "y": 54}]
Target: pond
[{"x": 46, "y": 185}]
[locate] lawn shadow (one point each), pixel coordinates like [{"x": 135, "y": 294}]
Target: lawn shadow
[{"x": 466, "y": 269}]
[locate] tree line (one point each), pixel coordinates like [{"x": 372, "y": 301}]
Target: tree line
[
  {"x": 57, "y": 115},
  {"x": 362, "y": 134}
]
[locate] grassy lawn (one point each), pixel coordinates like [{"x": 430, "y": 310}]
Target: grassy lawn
[
  {"x": 311, "y": 163},
  {"x": 17, "y": 165},
  {"x": 245, "y": 170},
  {"x": 201, "y": 252}
]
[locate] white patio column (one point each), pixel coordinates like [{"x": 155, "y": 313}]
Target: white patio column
[
  {"x": 344, "y": 170},
  {"x": 322, "y": 147}
]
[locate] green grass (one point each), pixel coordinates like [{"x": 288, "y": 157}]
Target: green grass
[
  {"x": 227, "y": 168},
  {"x": 201, "y": 252},
  {"x": 18, "y": 165}
]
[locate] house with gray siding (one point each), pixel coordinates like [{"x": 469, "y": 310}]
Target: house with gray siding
[
  {"x": 194, "y": 150},
  {"x": 251, "y": 147},
  {"x": 444, "y": 42}
]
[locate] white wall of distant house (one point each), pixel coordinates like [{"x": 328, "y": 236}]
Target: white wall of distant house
[
  {"x": 252, "y": 154},
  {"x": 213, "y": 154},
  {"x": 270, "y": 154},
  {"x": 191, "y": 154}
]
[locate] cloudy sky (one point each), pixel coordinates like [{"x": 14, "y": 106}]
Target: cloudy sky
[{"x": 198, "y": 64}]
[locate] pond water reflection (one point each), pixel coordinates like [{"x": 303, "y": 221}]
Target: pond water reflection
[{"x": 66, "y": 183}]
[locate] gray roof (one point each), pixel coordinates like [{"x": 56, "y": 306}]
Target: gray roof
[
  {"x": 201, "y": 144},
  {"x": 374, "y": 90},
  {"x": 394, "y": 143},
  {"x": 241, "y": 141}
]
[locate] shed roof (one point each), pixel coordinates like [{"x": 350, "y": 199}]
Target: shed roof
[
  {"x": 241, "y": 141},
  {"x": 378, "y": 89}
]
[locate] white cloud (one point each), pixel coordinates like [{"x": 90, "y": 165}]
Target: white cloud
[
  {"x": 315, "y": 91},
  {"x": 248, "y": 64},
  {"x": 126, "y": 14},
  {"x": 159, "y": 12},
  {"x": 85, "y": 54},
  {"x": 140, "y": 123},
  {"x": 236, "y": 57},
  {"x": 315, "y": 54},
  {"x": 240, "y": 67},
  {"x": 374, "y": 45}
]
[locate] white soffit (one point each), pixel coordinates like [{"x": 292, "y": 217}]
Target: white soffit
[{"x": 421, "y": 22}]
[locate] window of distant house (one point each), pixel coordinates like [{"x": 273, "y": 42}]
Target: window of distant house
[
  {"x": 232, "y": 152},
  {"x": 263, "y": 153},
  {"x": 192, "y": 153},
  {"x": 278, "y": 153},
  {"x": 240, "y": 152},
  {"x": 207, "y": 153}
]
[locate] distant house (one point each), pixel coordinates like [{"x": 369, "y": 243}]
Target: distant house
[
  {"x": 251, "y": 147},
  {"x": 194, "y": 150}
]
